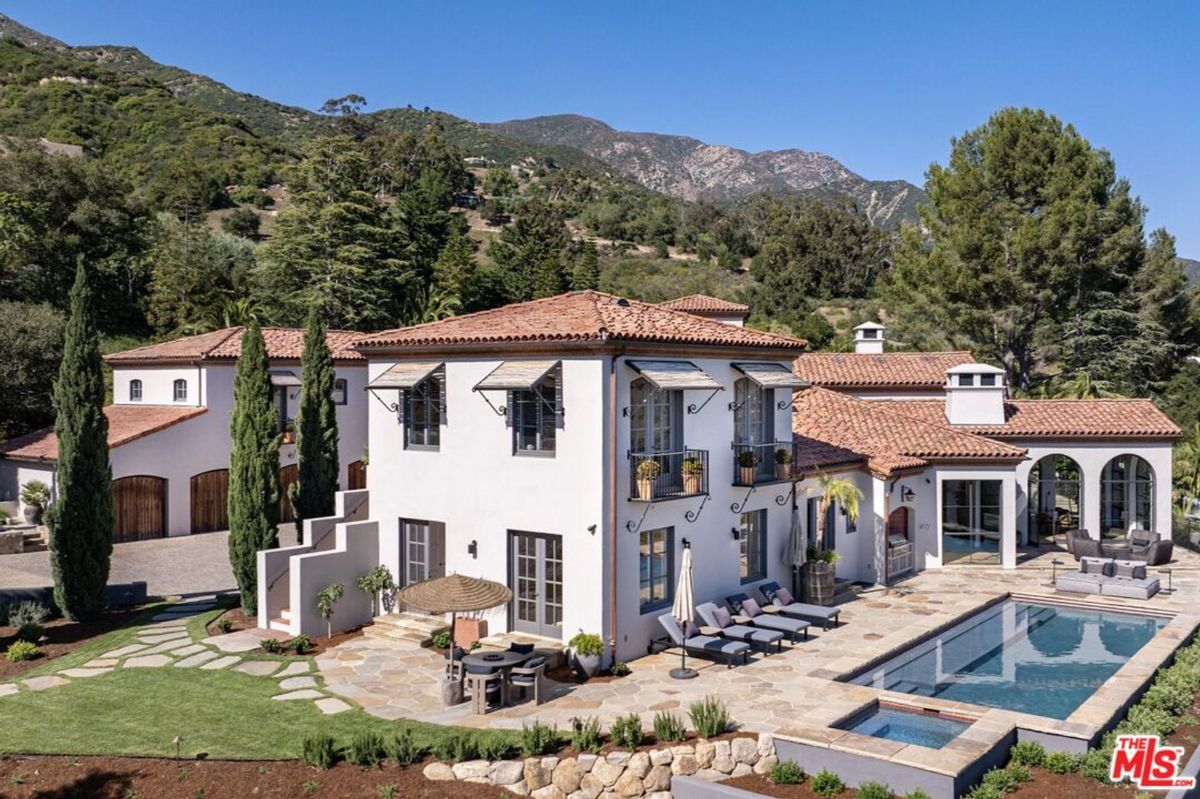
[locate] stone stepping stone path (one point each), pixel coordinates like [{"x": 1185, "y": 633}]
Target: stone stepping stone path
[
  {"x": 125, "y": 651},
  {"x": 81, "y": 672},
  {"x": 42, "y": 683},
  {"x": 8, "y": 689},
  {"x": 101, "y": 663},
  {"x": 306, "y": 693},
  {"x": 331, "y": 706},
  {"x": 221, "y": 662},
  {"x": 146, "y": 662},
  {"x": 292, "y": 669},
  {"x": 197, "y": 659},
  {"x": 293, "y": 683},
  {"x": 258, "y": 668},
  {"x": 190, "y": 649}
]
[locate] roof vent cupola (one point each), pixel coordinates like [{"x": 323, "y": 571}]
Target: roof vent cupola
[
  {"x": 869, "y": 338},
  {"x": 975, "y": 394}
]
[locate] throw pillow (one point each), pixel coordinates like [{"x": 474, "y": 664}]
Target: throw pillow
[
  {"x": 750, "y": 608},
  {"x": 690, "y": 630},
  {"x": 722, "y": 618},
  {"x": 784, "y": 597}
]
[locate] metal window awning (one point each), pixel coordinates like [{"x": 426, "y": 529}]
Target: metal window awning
[
  {"x": 284, "y": 379},
  {"x": 676, "y": 376},
  {"x": 516, "y": 376},
  {"x": 404, "y": 375},
  {"x": 772, "y": 375}
]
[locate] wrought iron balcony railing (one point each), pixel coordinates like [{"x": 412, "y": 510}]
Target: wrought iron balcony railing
[
  {"x": 667, "y": 475},
  {"x": 755, "y": 464}
]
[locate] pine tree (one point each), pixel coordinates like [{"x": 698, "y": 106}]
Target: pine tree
[
  {"x": 253, "y": 467},
  {"x": 586, "y": 274},
  {"x": 455, "y": 269},
  {"x": 316, "y": 429},
  {"x": 81, "y": 518}
]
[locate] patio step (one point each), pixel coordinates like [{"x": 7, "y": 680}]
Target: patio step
[
  {"x": 32, "y": 541},
  {"x": 413, "y": 628},
  {"x": 845, "y": 591},
  {"x": 282, "y": 623}
]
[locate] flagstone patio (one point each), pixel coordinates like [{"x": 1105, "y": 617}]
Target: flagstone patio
[{"x": 393, "y": 680}]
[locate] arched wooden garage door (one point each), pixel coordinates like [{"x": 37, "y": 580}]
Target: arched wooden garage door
[
  {"x": 356, "y": 476},
  {"x": 139, "y": 508},
  {"x": 210, "y": 501},
  {"x": 287, "y": 476}
]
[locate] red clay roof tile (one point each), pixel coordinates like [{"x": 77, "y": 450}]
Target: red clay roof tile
[
  {"x": 1060, "y": 418},
  {"x": 704, "y": 304},
  {"x": 126, "y": 423},
  {"x": 902, "y": 370},
  {"x": 282, "y": 342}
]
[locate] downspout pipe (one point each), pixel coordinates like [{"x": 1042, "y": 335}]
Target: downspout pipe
[{"x": 612, "y": 505}]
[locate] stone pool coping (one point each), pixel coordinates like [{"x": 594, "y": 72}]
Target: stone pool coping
[{"x": 990, "y": 727}]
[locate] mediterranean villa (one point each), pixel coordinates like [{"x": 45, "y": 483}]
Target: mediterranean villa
[
  {"x": 168, "y": 433},
  {"x": 572, "y": 447}
]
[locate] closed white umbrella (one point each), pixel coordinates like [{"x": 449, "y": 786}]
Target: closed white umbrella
[
  {"x": 684, "y": 610},
  {"x": 797, "y": 548}
]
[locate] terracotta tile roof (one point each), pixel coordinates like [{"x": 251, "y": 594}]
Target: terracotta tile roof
[
  {"x": 903, "y": 370},
  {"x": 704, "y": 304},
  {"x": 885, "y": 436},
  {"x": 282, "y": 343},
  {"x": 1061, "y": 418},
  {"x": 581, "y": 317},
  {"x": 125, "y": 423}
]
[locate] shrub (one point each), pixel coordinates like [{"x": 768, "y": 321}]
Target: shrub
[
  {"x": 668, "y": 727},
  {"x": 985, "y": 791},
  {"x": 28, "y": 612},
  {"x": 456, "y": 748},
  {"x": 619, "y": 669},
  {"x": 537, "y": 739},
  {"x": 709, "y": 717},
  {"x": 626, "y": 732},
  {"x": 1095, "y": 763},
  {"x": 225, "y": 625},
  {"x": 1007, "y": 780},
  {"x": 300, "y": 644},
  {"x": 874, "y": 790},
  {"x": 21, "y": 650},
  {"x": 441, "y": 640},
  {"x": 1061, "y": 763},
  {"x": 402, "y": 750},
  {"x": 1149, "y": 721},
  {"x": 366, "y": 748},
  {"x": 787, "y": 772},
  {"x": 585, "y": 734},
  {"x": 387, "y": 792},
  {"x": 271, "y": 646},
  {"x": 319, "y": 750},
  {"x": 494, "y": 747},
  {"x": 4, "y": 614},
  {"x": 916, "y": 793},
  {"x": 827, "y": 784},
  {"x": 1028, "y": 753},
  {"x": 30, "y": 632},
  {"x": 586, "y": 644}
]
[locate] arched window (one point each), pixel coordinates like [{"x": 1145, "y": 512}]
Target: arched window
[
  {"x": 181, "y": 391},
  {"x": 1126, "y": 495},
  {"x": 1055, "y": 497},
  {"x": 135, "y": 390}
]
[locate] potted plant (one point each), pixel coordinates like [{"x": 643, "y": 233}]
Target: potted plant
[
  {"x": 783, "y": 463},
  {"x": 35, "y": 496},
  {"x": 586, "y": 651},
  {"x": 647, "y": 475},
  {"x": 747, "y": 461},
  {"x": 469, "y": 630},
  {"x": 693, "y": 470},
  {"x": 820, "y": 574}
]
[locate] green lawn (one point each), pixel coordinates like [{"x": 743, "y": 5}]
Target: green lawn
[{"x": 222, "y": 714}]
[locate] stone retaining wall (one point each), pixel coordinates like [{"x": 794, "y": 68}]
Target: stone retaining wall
[{"x": 618, "y": 775}]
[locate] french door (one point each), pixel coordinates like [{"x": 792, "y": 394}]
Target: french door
[
  {"x": 536, "y": 580},
  {"x": 422, "y": 550}
]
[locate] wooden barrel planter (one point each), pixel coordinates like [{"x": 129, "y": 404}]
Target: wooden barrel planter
[{"x": 819, "y": 583}]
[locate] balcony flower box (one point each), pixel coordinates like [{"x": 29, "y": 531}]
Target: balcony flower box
[{"x": 693, "y": 472}]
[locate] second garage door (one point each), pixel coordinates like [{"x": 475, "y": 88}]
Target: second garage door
[
  {"x": 210, "y": 501},
  {"x": 139, "y": 508}
]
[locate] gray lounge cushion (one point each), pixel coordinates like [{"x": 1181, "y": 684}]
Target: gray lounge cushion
[
  {"x": 1090, "y": 565},
  {"x": 706, "y": 642},
  {"x": 759, "y": 635},
  {"x": 1130, "y": 569},
  {"x": 1131, "y": 589},
  {"x": 1142, "y": 537}
]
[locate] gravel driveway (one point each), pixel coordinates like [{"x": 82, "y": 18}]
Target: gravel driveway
[{"x": 184, "y": 565}]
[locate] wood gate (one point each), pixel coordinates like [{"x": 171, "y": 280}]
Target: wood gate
[
  {"x": 287, "y": 476},
  {"x": 210, "y": 501},
  {"x": 139, "y": 508},
  {"x": 356, "y": 476}
]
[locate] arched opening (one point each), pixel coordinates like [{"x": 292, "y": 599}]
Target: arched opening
[
  {"x": 1126, "y": 496},
  {"x": 139, "y": 508},
  {"x": 900, "y": 557},
  {"x": 1055, "y": 498},
  {"x": 210, "y": 501}
]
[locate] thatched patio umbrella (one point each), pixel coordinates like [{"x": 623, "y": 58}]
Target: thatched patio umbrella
[{"x": 454, "y": 594}]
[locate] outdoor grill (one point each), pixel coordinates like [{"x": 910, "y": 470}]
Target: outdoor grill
[{"x": 900, "y": 554}]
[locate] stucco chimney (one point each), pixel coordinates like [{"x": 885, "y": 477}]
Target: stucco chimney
[
  {"x": 868, "y": 338},
  {"x": 975, "y": 394}
]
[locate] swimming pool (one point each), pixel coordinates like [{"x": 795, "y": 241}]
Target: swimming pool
[
  {"x": 906, "y": 726},
  {"x": 1025, "y": 656}
]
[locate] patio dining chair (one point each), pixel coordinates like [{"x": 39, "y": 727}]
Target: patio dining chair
[
  {"x": 529, "y": 676},
  {"x": 485, "y": 685}
]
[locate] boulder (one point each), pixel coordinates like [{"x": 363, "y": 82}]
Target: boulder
[
  {"x": 660, "y": 757},
  {"x": 606, "y": 772},
  {"x": 684, "y": 765},
  {"x": 438, "y": 772},
  {"x": 723, "y": 764},
  {"x": 638, "y": 764},
  {"x": 590, "y": 786},
  {"x": 618, "y": 758},
  {"x": 685, "y": 749},
  {"x": 744, "y": 750},
  {"x": 585, "y": 762},
  {"x": 705, "y": 751},
  {"x": 471, "y": 769},
  {"x": 765, "y": 764},
  {"x": 507, "y": 772},
  {"x": 535, "y": 776},
  {"x": 629, "y": 786},
  {"x": 723, "y": 749},
  {"x": 741, "y": 770},
  {"x": 566, "y": 775},
  {"x": 657, "y": 779},
  {"x": 660, "y": 795},
  {"x": 548, "y": 792},
  {"x": 766, "y": 744},
  {"x": 710, "y": 775}
]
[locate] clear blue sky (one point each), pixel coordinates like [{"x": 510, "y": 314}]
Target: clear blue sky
[{"x": 881, "y": 86}]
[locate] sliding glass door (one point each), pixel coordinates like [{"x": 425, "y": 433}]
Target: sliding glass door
[{"x": 971, "y": 521}]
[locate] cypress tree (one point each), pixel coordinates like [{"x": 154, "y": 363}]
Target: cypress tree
[
  {"x": 81, "y": 518},
  {"x": 316, "y": 429},
  {"x": 253, "y": 467}
]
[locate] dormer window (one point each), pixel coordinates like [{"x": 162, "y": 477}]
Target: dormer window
[
  {"x": 987, "y": 380},
  {"x": 135, "y": 390},
  {"x": 181, "y": 391},
  {"x": 966, "y": 380}
]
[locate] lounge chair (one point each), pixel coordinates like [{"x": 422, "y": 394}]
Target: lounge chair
[
  {"x": 767, "y": 621},
  {"x": 1123, "y": 578},
  {"x": 717, "y": 617},
  {"x": 782, "y": 598},
  {"x": 707, "y": 645}
]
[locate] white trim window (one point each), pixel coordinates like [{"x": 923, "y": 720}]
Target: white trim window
[
  {"x": 752, "y": 546},
  {"x": 339, "y": 393},
  {"x": 135, "y": 390},
  {"x": 180, "y": 390},
  {"x": 423, "y": 413},
  {"x": 656, "y": 568},
  {"x": 536, "y": 416}
]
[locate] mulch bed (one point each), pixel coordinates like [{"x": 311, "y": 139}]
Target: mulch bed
[
  {"x": 241, "y": 621},
  {"x": 62, "y": 636},
  {"x": 123, "y": 777}
]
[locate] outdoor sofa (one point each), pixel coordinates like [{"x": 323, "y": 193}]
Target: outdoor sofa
[
  {"x": 752, "y": 614},
  {"x": 780, "y": 597},
  {"x": 1108, "y": 577},
  {"x": 1152, "y": 548},
  {"x": 723, "y": 649},
  {"x": 722, "y": 620}
]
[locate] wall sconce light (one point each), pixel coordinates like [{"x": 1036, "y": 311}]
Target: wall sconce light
[
  {"x": 736, "y": 533},
  {"x": 592, "y": 529},
  {"x": 686, "y": 544},
  {"x": 473, "y": 549},
  {"x": 906, "y": 494}
]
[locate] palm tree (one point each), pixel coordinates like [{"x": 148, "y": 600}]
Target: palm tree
[{"x": 841, "y": 491}]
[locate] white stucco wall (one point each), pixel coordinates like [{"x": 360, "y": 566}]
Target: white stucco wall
[
  {"x": 158, "y": 384},
  {"x": 14, "y": 474}
]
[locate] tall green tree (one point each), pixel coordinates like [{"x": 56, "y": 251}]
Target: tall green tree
[
  {"x": 531, "y": 252},
  {"x": 31, "y": 350},
  {"x": 196, "y": 269},
  {"x": 253, "y": 467},
  {"x": 1032, "y": 239},
  {"x": 336, "y": 246},
  {"x": 586, "y": 272},
  {"x": 81, "y": 518},
  {"x": 316, "y": 429}
]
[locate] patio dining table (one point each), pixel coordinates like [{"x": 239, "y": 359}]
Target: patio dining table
[{"x": 497, "y": 661}]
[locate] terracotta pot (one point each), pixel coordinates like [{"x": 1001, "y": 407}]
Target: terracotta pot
[
  {"x": 645, "y": 489},
  {"x": 747, "y": 474},
  {"x": 783, "y": 470},
  {"x": 691, "y": 484},
  {"x": 468, "y": 631}
]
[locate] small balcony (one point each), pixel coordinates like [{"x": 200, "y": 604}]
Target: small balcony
[
  {"x": 757, "y": 464},
  {"x": 655, "y": 476}
]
